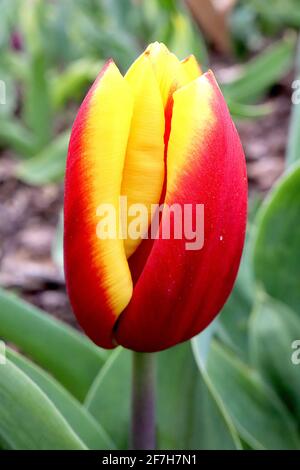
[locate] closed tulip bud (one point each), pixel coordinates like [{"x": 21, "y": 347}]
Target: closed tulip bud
[{"x": 160, "y": 135}]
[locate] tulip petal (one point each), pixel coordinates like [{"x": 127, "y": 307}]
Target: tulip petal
[
  {"x": 98, "y": 277},
  {"x": 144, "y": 168},
  {"x": 180, "y": 291},
  {"x": 170, "y": 72},
  {"x": 171, "y": 75},
  {"x": 191, "y": 67}
]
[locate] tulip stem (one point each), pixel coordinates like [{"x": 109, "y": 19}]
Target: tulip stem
[{"x": 143, "y": 401}]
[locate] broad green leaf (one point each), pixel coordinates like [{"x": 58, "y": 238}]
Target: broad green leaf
[
  {"x": 233, "y": 320},
  {"x": 48, "y": 165},
  {"x": 277, "y": 247},
  {"x": 232, "y": 326},
  {"x": 83, "y": 424},
  {"x": 108, "y": 399},
  {"x": 201, "y": 344},
  {"x": 69, "y": 356},
  {"x": 188, "y": 416},
  {"x": 260, "y": 417},
  {"x": 28, "y": 419},
  {"x": 262, "y": 72},
  {"x": 273, "y": 330}
]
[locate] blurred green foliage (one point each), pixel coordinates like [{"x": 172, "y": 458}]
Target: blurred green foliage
[
  {"x": 252, "y": 21},
  {"x": 50, "y": 52}
]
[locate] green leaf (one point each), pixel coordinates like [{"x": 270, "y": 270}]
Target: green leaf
[
  {"x": 202, "y": 342},
  {"x": 70, "y": 357},
  {"x": 277, "y": 248},
  {"x": 260, "y": 417},
  {"x": 37, "y": 104},
  {"x": 248, "y": 111},
  {"x": 16, "y": 137},
  {"x": 108, "y": 399},
  {"x": 84, "y": 425},
  {"x": 109, "y": 40},
  {"x": 278, "y": 12},
  {"x": 73, "y": 81},
  {"x": 47, "y": 166},
  {"x": 232, "y": 326},
  {"x": 273, "y": 329},
  {"x": 16, "y": 66},
  {"x": 28, "y": 419},
  {"x": 188, "y": 416},
  {"x": 262, "y": 72},
  {"x": 222, "y": 424}
]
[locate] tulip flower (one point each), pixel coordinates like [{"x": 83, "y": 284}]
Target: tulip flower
[{"x": 161, "y": 134}]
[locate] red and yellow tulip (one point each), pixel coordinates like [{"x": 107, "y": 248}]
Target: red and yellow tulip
[{"x": 161, "y": 133}]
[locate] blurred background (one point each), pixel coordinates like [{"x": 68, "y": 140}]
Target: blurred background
[{"x": 50, "y": 53}]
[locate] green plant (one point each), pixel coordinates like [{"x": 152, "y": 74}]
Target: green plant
[{"x": 75, "y": 395}]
